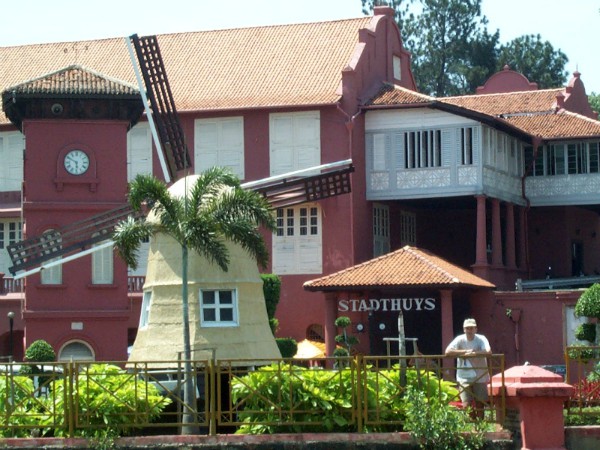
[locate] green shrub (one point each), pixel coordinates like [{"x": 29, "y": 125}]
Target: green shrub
[
  {"x": 271, "y": 290},
  {"x": 581, "y": 353},
  {"x": 110, "y": 400},
  {"x": 585, "y": 416},
  {"x": 588, "y": 304},
  {"x": 322, "y": 400},
  {"x": 436, "y": 425},
  {"x": 40, "y": 351},
  {"x": 16, "y": 397},
  {"x": 287, "y": 346},
  {"x": 586, "y": 332}
]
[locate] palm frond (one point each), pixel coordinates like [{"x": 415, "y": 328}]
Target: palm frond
[{"x": 128, "y": 236}]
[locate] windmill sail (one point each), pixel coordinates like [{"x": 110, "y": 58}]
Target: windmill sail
[{"x": 164, "y": 114}]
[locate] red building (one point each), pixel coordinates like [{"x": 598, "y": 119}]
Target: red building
[{"x": 501, "y": 183}]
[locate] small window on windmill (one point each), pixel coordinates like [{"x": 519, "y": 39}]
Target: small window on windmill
[{"x": 218, "y": 308}]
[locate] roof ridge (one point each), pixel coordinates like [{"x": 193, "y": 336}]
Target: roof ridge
[
  {"x": 175, "y": 33},
  {"x": 418, "y": 94},
  {"x": 503, "y": 93},
  {"x": 580, "y": 116},
  {"x": 75, "y": 67},
  {"x": 420, "y": 254}
]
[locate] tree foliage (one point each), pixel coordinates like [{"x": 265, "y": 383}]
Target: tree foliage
[
  {"x": 453, "y": 52},
  {"x": 594, "y": 101},
  {"x": 588, "y": 304},
  {"x": 536, "y": 59}
]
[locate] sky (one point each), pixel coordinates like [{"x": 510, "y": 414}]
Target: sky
[{"x": 570, "y": 26}]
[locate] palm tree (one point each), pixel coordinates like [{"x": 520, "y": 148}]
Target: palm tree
[{"x": 212, "y": 210}]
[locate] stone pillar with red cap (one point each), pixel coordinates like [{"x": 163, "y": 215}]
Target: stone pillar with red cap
[{"x": 535, "y": 398}]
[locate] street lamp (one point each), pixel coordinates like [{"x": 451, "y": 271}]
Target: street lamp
[{"x": 11, "y": 319}]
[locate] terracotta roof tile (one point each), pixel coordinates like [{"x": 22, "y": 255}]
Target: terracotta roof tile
[
  {"x": 390, "y": 94},
  {"x": 284, "y": 65},
  {"x": 564, "y": 124},
  {"x": 74, "y": 80},
  {"x": 406, "y": 267},
  {"x": 508, "y": 103}
]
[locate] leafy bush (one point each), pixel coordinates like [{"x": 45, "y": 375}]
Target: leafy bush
[
  {"x": 588, "y": 304},
  {"x": 436, "y": 425},
  {"x": 586, "y": 332},
  {"x": 585, "y": 416},
  {"x": 271, "y": 290},
  {"x": 40, "y": 351},
  {"x": 582, "y": 353},
  {"x": 110, "y": 400},
  {"x": 287, "y": 346},
  {"x": 16, "y": 398},
  {"x": 322, "y": 400}
]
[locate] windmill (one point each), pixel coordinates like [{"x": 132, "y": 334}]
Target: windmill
[{"x": 92, "y": 234}]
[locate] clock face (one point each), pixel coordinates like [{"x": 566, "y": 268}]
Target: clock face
[{"x": 77, "y": 162}]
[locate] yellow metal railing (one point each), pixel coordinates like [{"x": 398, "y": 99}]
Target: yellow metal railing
[{"x": 355, "y": 394}]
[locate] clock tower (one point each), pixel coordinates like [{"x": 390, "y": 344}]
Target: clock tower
[{"x": 75, "y": 123}]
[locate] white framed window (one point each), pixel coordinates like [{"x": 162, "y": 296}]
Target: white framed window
[
  {"x": 466, "y": 146},
  {"x": 397, "y": 66},
  {"x": 51, "y": 241},
  {"x": 422, "y": 149},
  {"x": 294, "y": 141},
  {"x": 11, "y": 155},
  {"x": 10, "y": 232},
  {"x": 139, "y": 151},
  {"x": 408, "y": 228},
  {"x": 564, "y": 159},
  {"x": 218, "y": 308},
  {"x": 219, "y": 142},
  {"x": 297, "y": 242},
  {"x": 76, "y": 351},
  {"x": 102, "y": 265},
  {"x": 145, "y": 312},
  {"x": 381, "y": 229}
]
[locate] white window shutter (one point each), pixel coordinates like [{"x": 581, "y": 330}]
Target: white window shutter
[
  {"x": 219, "y": 142},
  {"x": 206, "y": 145},
  {"x": 102, "y": 266},
  {"x": 282, "y": 151},
  {"x": 139, "y": 151}
]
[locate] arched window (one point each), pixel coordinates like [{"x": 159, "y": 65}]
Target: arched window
[
  {"x": 51, "y": 241},
  {"x": 102, "y": 264},
  {"x": 76, "y": 351}
]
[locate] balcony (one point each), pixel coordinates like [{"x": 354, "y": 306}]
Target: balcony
[{"x": 8, "y": 285}]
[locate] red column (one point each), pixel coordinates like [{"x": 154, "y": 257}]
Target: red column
[
  {"x": 480, "y": 246},
  {"x": 511, "y": 261},
  {"x": 496, "y": 234},
  {"x": 447, "y": 319},
  {"x": 522, "y": 239},
  {"x": 330, "y": 329}
]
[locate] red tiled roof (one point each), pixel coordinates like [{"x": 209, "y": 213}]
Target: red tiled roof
[
  {"x": 407, "y": 267},
  {"x": 284, "y": 65},
  {"x": 563, "y": 124},
  {"x": 508, "y": 102},
  {"x": 74, "y": 80},
  {"x": 390, "y": 94}
]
